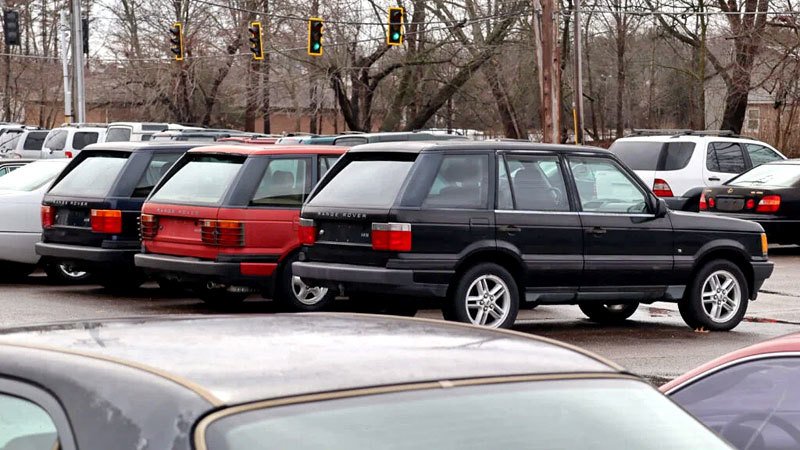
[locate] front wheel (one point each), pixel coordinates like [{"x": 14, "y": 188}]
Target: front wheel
[
  {"x": 294, "y": 294},
  {"x": 608, "y": 313},
  {"x": 486, "y": 295},
  {"x": 717, "y": 297}
]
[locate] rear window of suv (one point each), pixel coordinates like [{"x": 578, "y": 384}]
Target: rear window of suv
[
  {"x": 660, "y": 156},
  {"x": 93, "y": 176},
  {"x": 202, "y": 180},
  {"x": 383, "y": 176}
]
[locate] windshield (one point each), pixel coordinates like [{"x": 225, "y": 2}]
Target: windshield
[
  {"x": 778, "y": 175},
  {"x": 574, "y": 414},
  {"x": 93, "y": 176},
  {"x": 383, "y": 177},
  {"x": 202, "y": 181},
  {"x": 31, "y": 176}
]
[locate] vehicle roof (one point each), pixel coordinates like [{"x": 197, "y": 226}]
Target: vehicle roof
[
  {"x": 459, "y": 145},
  {"x": 5, "y": 161},
  {"x": 249, "y": 358},
  {"x": 689, "y": 138},
  {"x": 126, "y": 146},
  {"x": 270, "y": 149},
  {"x": 789, "y": 343},
  {"x": 790, "y": 162}
]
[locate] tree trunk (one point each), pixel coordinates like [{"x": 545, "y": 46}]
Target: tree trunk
[
  {"x": 737, "y": 91},
  {"x": 621, "y": 36},
  {"x": 504, "y": 107}
]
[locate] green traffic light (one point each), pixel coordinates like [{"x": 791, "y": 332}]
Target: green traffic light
[
  {"x": 395, "y": 36},
  {"x": 316, "y": 46}
]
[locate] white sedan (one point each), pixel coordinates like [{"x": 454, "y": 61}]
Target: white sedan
[{"x": 21, "y": 193}]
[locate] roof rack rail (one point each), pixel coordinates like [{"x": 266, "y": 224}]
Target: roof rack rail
[
  {"x": 725, "y": 133},
  {"x": 659, "y": 132}
]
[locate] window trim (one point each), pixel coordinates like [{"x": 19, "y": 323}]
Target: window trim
[
  {"x": 637, "y": 182},
  {"x": 745, "y": 157},
  {"x": 503, "y": 155},
  {"x": 47, "y": 402},
  {"x": 491, "y": 185}
]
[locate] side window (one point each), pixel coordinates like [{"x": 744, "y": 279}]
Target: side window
[
  {"x": 34, "y": 141},
  {"x": 3, "y": 171},
  {"x": 325, "y": 163},
  {"x": 537, "y": 183},
  {"x": 25, "y": 425},
  {"x": 286, "y": 183},
  {"x": 750, "y": 403},
  {"x": 57, "y": 140},
  {"x": 761, "y": 155},
  {"x": 462, "y": 182},
  {"x": 725, "y": 157},
  {"x": 159, "y": 165},
  {"x": 504, "y": 198},
  {"x": 605, "y": 188},
  {"x": 82, "y": 139}
]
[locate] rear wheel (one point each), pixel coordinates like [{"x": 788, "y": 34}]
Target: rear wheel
[
  {"x": 65, "y": 272},
  {"x": 608, "y": 313},
  {"x": 486, "y": 295},
  {"x": 294, "y": 294},
  {"x": 717, "y": 298}
]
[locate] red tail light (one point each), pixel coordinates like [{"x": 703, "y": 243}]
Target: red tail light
[
  {"x": 106, "y": 221},
  {"x": 703, "y": 202},
  {"x": 307, "y": 232},
  {"x": 222, "y": 233},
  {"x": 395, "y": 237},
  {"x": 769, "y": 204},
  {"x": 148, "y": 226},
  {"x": 661, "y": 188},
  {"x": 750, "y": 204},
  {"x": 48, "y": 216},
  {"x": 712, "y": 203},
  {"x": 68, "y": 154}
]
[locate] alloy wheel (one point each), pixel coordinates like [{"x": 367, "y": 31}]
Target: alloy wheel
[
  {"x": 70, "y": 272},
  {"x": 488, "y": 301},
  {"x": 721, "y": 296},
  {"x": 305, "y": 294}
]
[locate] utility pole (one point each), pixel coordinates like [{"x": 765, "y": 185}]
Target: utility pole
[
  {"x": 265, "y": 82},
  {"x": 578, "y": 102},
  {"x": 548, "y": 58},
  {"x": 313, "y": 104},
  {"x": 77, "y": 61},
  {"x": 63, "y": 29}
]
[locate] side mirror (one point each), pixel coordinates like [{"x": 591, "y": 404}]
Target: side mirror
[{"x": 661, "y": 208}]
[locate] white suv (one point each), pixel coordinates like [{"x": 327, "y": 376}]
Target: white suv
[
  {"x": 68, "y": 140},
  {"x": 679, "y": 165}
]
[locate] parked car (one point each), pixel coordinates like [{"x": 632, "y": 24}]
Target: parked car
[
  {"x": 26, "y": 144},
  {"x": 371, "y": 138},
  {"x": 768, "y": 194},
  {"x": 749, "y": 397},
  {"x": 321, "y": 382},
  {"x": 488, "y": 227},
  {"x": 133, "y": 131},
  {"x": 224, "y": 222},
  {"x": 67, "y": 141},
  {"x": 21, "y": 195},
  {"x": 678, "y": 165},
  {"x": 90, "y": 214},
  {"x": 9, "y": 165},
  {"x": 250, "y": 140}
]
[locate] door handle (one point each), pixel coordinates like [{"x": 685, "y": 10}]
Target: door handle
[
  {"x": 714, "y": 179},
  {"x": 597, "y": 231},
  {"x": 510, "y": 229}
]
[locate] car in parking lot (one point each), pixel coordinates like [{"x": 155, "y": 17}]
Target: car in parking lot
[
  {"x": 224, "y": 222},
  {"x": 135, "y": 131},
  {"x": 26, "y": 144},
  {"x": 749, "y": 396},
  {"x": 318, "y": 382},
  {"x": 90, "y": 214},
  {"x": 68, "y": 140},
  {"x": 9, "y": 165},
  {"x": 353, "y": 139},
  {"x": 490, "y": 227}
]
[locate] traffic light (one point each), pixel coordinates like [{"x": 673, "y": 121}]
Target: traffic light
[
  {"x": 11, "y": 27},
  {"x": 394, "y": 36},
  {"x": 256, "y": 41},
  {"x": 315, "y": 36},
  {"x": 176, "y": 39}
]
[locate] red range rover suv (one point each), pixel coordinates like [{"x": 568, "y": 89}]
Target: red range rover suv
[{"x": 223, "y": 222}]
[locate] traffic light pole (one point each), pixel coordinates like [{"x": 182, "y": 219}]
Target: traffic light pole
[
  {"x": 77, "y": 61},
  {"x": 579, "y": 139},
  {"x": 63, "y": 28}
]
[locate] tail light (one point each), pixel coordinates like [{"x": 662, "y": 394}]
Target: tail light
[
  {"x": 68, "y": 154},
  {"x": 106, "y": 221},
  {"x": 750, "y": 204},
  {"x": 395, "y": 237},
  {"x": 222, "y": 233},
  {"x": 307, "y": 232},
  {"x": 661, "y": 188},
  {"x": 148, "y": 226},
  {"x": 48, "y": 216},
  {"x": 712, "y": 203},
  {"x": 703, "y": 202},
  {"x": 769, "y": 204}
]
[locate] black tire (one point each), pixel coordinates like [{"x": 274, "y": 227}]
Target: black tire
[
  {"x": 294, "y": 295},
  {"x": 698, "y": 314},
  {"x": 390, "y": 305},
  {"x": 607, "y": 313},
  {"x": 61, "y": 272},
  {"x": 221, "y": 298},
  {"x": 469, "y": 283}
]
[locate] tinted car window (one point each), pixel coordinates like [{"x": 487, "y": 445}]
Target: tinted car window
[
  {"x": 462, "y": 182},
  {"x": 577, "y": 414},
  {"x": 157, "y": 168},
  {"x": 676, "y": 155},
  {"x": 34, "y": 140},
  {"x": 350, "y": 141},
  {"x": 382, "y": 177},
  {"x": 286, "y": 182},
  {"x": 93, "y": 176},
  {"x": 325, "y": 163},
  {"x": 725, "y": 157},
  {"x": 536, "y": 183},
  {"x": 25, "y": 425},
  {"x": 638, "y": 155},
  {"x": 118, "y": 134},
  {"x": 604, "y": 187},
  {"x": 56, "y": 140},
  {"x": 83, "y": 138},
  {"x": 748, "y": 402},
  {"x": 203, "y": 180},
  {"x": 761, "y": 155}
]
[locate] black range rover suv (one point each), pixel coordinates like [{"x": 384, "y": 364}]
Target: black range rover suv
[
  {"x": 90, "y": 215},
  {"x": 491, "y": 227}
]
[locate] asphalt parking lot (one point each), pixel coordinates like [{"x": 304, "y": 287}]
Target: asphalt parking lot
[{"x": 655, "y": 343}]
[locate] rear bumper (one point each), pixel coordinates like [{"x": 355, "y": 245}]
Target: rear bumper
[
  {"x": 89, "y": 255},
  {"x": 190, "y": 270},
  {"x": 761, "y": 271},
  {"x": 366, "y": 279}
]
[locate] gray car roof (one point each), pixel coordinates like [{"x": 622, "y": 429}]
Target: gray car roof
[
  {"x": 243, "y": 359},
  {"x": 132, "y": 146},
  {"x": 467, "y": 145}
]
